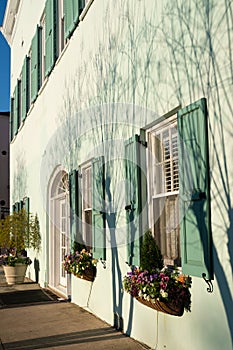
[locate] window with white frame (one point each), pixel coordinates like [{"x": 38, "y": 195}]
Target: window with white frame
[
  {"x": 87, "y": 204},
  {"x": 164, "y": 189}
]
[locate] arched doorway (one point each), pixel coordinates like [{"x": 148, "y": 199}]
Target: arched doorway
[{"x": 59, "y": 242}]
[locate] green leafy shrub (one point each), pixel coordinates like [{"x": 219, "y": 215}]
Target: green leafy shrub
[{"x": 151, "y": 257}]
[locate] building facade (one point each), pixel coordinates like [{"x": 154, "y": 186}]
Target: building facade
[{"x": 120, "y": 122}]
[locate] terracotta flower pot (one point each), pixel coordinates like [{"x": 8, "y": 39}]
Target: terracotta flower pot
[{"x": 15, "y": 274}]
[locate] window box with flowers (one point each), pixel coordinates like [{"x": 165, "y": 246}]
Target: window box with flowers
[
  {"x": 161, "y": 288},
  {"x": 81, "y": 264}
]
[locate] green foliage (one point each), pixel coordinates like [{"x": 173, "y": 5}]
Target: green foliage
[
  {"x": 19, "y": 231},
  {"x": 35, "y": 237},
  {"x": 151, "y": 258},
  {"x": 78, "y": 247},
  {"x": 78, "y": 262}
]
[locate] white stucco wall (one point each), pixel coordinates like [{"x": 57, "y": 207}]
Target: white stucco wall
[{"x": 142, "y": 59}]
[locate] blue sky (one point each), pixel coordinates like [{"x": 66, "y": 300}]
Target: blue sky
[{"x": 4, "y": 66}]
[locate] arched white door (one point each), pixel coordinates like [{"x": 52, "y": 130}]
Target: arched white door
[{"x": 59, "y": 241}]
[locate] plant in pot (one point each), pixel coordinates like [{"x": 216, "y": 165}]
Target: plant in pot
[
  {"x": 80, "y": 263},
  {"x": 164, "y": 289},
  {"x": 18, "y": 232}
]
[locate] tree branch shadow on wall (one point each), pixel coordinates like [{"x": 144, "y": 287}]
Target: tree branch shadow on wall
[
  {"x": 192, "y": 64},
  {"x": 214, "y": 80}
]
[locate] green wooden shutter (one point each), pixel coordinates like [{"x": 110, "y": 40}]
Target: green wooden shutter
[
  {"x": 12, "y": 119},
  {"x": 81, "y": 5},
  {"x": 79, "y": 237},
  {"x": 69, "y": 24},
  {"x": 17, "y": 207},
  {"x": 15, "y": 115},
  {"x": 27, "y": 205},
  {"x": 98, "y": 209},
  {"x": 194, "y": 190},
  {"x": 72, "y": 12},
  {"x": 21, "y": 205},
  {"x": 25, "y": 88},
  {"x": 19, "y": 102},
  {"x": 27, "y": 208},
  {"x": 73, "y": 205},
  {"x": 16, "y": 110},
  {"x": 35, "y": 66},
  {"x": 50, "y": 35},
  {"x": 135, "y": 197},
  {"x": 78, "y": 6}
]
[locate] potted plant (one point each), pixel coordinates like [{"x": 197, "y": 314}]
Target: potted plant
[
  {"x": 164, "y": 289},
  {"x": 81, "y": 264},
  {"x": 18, "y": 232}
]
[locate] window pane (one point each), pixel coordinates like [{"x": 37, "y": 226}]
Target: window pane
[
  {"x": 166, "y": 228},
  {"x": 165, "y": 150}
]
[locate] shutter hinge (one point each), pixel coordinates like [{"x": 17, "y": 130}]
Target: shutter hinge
[{"x": 142, "y": 142}]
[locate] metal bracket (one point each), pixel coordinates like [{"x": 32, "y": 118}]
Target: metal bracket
[
  {"x": 143, "y": 143},
  {"x": 209, "y": 282},
  {"x": 130, "y": 206},
  {"x": 103, "y": 263}
]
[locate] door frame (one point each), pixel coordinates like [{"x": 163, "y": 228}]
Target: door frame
[{"x": 56, "y": 196}]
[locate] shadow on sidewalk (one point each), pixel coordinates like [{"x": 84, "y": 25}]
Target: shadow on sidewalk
[
  {"x": 82, "y": 337},
  {"x": 21, "y": 298}
]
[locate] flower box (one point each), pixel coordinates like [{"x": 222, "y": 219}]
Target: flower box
[
  {"x": 81, "y": 265},
  {"x": 165, "y": 307},
  {"x": 163, "y": 290}
]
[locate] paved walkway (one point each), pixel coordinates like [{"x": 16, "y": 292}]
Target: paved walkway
[{"x": 53, "y": 324}]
